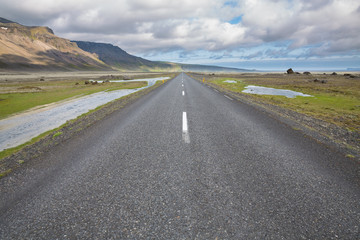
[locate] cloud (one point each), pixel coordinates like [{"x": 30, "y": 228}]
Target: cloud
[{"x": 319, "y": 27}]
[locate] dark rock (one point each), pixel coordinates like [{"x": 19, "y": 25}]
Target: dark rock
[
  {"x": 77, "y": 83},
  {"x": 87, "y": 82},
  {"x": 42, "y": 79},
  {"x": 94, "y": 82},
  {"x": 306, "y": 73},
  {"x": 319, "y": 81},
  {"x": 334, "y": 73},
  {"x": 290, "y": 71}
]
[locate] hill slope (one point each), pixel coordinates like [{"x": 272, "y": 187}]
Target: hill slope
[{"x": 23, "y": 47}]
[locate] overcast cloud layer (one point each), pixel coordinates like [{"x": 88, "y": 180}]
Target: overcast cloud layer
[{"x": 217, "y": 30}]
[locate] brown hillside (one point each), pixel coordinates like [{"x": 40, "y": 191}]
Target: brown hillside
[{"x": 38, "y": 48}]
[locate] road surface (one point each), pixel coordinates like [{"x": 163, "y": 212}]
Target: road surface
[{"x": 184, "y": 162}]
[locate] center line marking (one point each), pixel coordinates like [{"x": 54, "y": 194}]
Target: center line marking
[
  {"x": 185, "y": 131},
  {"x": 228, "y": 97},
  {"x": 183, "y": 93}
]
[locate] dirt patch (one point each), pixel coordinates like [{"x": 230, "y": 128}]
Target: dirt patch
[{"x": 29, "y": 88}]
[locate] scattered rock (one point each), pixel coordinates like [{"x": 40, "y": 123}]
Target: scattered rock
[
  {"x": 297, "y": 72},
  {"x": 306, "y": 73},
  {"x": 87, "y": 82},
  {"x": 106, "y": 81},
  {"x": 42, "y": 79},
  {"x": 127, "y": 78},
  {"x": 349, "y": 75},
  {"x": 319, "y": 81},
  {"x": 94, "y": 82},
  {"x": 77, "y": 83},
  {"x": 334, "y": 73},
  {"x": 290, "y": 71}
]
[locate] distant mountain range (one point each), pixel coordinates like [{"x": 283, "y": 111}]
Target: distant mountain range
[{"x": 38, "y": 48}]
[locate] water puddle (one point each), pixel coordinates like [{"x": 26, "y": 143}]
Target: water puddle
[
  {"x": 23, "y": 127},
  {"x": 230, "y": 81},
  {"x": 272, "y": 91}
]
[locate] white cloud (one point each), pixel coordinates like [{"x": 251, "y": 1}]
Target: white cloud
[{"x": 326, "y": 26}]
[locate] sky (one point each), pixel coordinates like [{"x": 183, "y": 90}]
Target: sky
[{"x": 252, "y": 34}]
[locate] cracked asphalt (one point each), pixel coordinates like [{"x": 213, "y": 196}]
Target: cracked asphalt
[{"x": 243, "y": 174}]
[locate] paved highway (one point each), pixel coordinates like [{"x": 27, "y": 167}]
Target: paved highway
[{"x": 184, "y": 162}]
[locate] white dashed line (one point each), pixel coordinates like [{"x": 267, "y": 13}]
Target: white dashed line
[
  {"x": 228, "y": 97},
  {"x": 183, "y": 93},
  {"x": 185, "y": 130}
]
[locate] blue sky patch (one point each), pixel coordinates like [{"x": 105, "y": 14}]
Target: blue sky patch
[{"x": 236, "y": 20}]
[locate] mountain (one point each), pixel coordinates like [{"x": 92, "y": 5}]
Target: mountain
[{"x": 37, "y": 48}]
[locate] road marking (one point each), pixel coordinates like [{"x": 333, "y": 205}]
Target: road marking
[
  {"x": 185, "y": 131},
  {"x": 183, "y": 93},
  {"x": 182, "y": 85},
  {"x": 228, "y": 97}
]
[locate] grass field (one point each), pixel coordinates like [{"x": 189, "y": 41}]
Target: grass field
[
  {"x": 336, "y": 101},
  {"x": 17, "y": 97}
]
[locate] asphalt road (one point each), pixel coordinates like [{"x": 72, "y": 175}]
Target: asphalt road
[{"x": 184, "y": 162}]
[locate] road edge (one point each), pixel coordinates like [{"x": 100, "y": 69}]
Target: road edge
[{"x": 323, "y": 132}]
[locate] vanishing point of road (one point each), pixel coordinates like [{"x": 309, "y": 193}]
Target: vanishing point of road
[{"x": 184, "y": 162}]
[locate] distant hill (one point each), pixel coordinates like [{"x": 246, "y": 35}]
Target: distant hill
[
  {"x": 121, "y": 60},
  {"x": 208, "y": 68},
  {"x": 37, "y": 48}
]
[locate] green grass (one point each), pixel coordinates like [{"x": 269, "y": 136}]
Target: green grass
[
  {"x": 57, "y": 134},
  {"x": 14, "y": 102},
  {"x": 3, "y": 174}
]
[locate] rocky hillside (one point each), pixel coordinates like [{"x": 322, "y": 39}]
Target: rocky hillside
[{"x": 31, "y": 48}]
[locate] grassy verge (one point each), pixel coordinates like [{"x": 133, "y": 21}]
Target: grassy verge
[{"x": 337, "y": 101}]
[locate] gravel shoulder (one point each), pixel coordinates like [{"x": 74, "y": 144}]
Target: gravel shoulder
[
  {"x": 67, "y": 131},
  {"x": 343, "y": 140}
]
